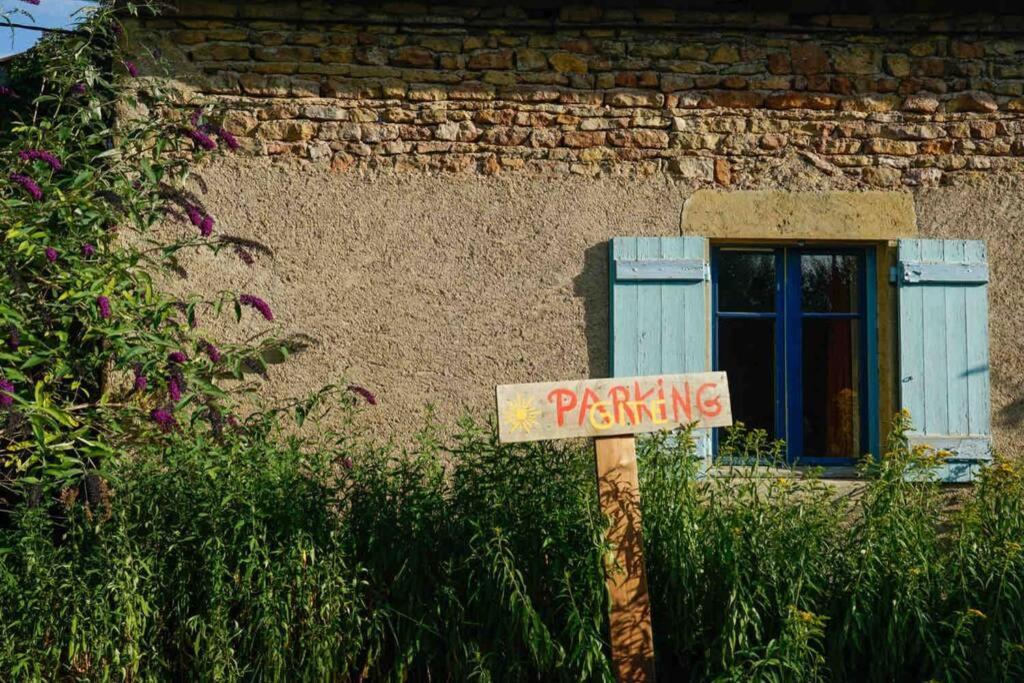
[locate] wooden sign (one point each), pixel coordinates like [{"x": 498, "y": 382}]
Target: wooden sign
[
  {"x": 613, "y": 406},
  {"x": 612, "y": 410}
]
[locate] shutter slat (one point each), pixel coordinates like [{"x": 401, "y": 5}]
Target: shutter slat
[
  {"x": 659, "y": 326},
  {"x": 976, "y": 306},
  {"x": 944, "y": 366}
]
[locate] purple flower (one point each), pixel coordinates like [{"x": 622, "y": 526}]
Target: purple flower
[
  {"x": 104, "y": 306},
  {"x": 201, "y": 139},
  {"x": 78, "y": 88},
  {"x": 30, "y": 186},
  {"x": 163, "y": 419},
  {"x": 41, "y": 155},
  {"x": 174, "y": 389},
  {"x": 365, "y": 393},
  {"x": 196, "y": 115},
  {"x": 212, "y": 351},
  {"x": 31, "y": 2},
  {"x": 88, "y": 250},
  {"x": 206, "y": 227},
  {"x": 230, "y": 140},
  {"x": 6, "y": 393},
  {"x": 347, "y": 463},
  {"x": 133, "y": 70},
  {"x": 51, "y": 254},
  {"x": 140, "y": 381},
  {"x": 195, "y": 216},
  {"x": 244, "y": 255},
  {"x": 13, "y": 339},
  {"x": 178, "y": 357},
  {"x": 257, "y": 303},
  {"x": 8, "y": 92}
]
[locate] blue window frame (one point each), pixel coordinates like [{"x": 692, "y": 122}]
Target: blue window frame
[{"x": 796, "y": 330}]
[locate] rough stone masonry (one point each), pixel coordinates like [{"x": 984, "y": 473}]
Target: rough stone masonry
[
  {"x": 890, "y": 99},
  {"x": 436, "y": 186}
]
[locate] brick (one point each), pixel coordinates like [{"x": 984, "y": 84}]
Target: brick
[
  {"x": 724, "y": 54},
  {"x": 924, "y": 104},
  {"x": 894, "y": 147},
  {"x": 972, "y": 102},
  {"x": 736, "y": 100},
  {"x": 220, "y": 53},
  {"x": 723, "y": 172},
  {"x": 491, "y": 59},
  {"x": 856, "y": 60},
  {"x": 898, "y": 65},
  {"x": 574, "y": 138},
  {"x": 287, "y": 131},
  {"x": 808, "y": 58},
  {"x": 417, "y": 57},
  {"x": 779, "y": 63},
  {"x": 634, "y": 98},
  {"x": 283, "y": 54},
  {"x": 566, "y": 62},
  {"x": 800, "y": 101},
  {"x": 529, "y": 59},
  {"x": 654, "y": 139},
  {"x": 337, "y": 55}
]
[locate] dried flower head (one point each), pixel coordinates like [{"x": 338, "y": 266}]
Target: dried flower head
[
  {"x": 363, "y": 392},
  {"x": 202, "y": 139},
  {"x": 195, "y": 216},
  {"x": 164, "y": 419},
  {"x": 212, "y": 351},
  {"x": 104, "y": 305},
  {"x": 174, "y": 388},
  {"x": 244, "y": 255},
  {"x": 28, "y": 184},
  {"x": 229, "y": 139},
  {"x": 259, "y": 304},
  {"x": 6, "y": 393},
  {"x": 49, "y": 158}
]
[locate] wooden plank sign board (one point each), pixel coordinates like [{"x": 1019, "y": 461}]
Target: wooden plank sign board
[
  {"x": 613, "y": 410},
  {"x": 612, "y": 406}
]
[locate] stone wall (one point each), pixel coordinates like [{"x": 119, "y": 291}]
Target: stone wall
[{"x": 884, "y": 100}]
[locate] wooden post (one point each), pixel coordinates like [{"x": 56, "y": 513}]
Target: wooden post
[{"x": 618, "y": 486}]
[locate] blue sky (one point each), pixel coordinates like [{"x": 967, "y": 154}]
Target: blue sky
[{"x": 48, "y": 13}]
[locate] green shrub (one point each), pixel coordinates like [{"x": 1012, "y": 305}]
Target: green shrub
[{"x": 263, "y": 554}]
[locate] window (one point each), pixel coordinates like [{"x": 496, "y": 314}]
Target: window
[
  {"x": 798, "y": 328},
  {"x": 791, "y": 329}
]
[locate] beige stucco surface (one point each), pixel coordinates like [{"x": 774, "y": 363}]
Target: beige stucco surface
[{"x": 432, "y": 288}]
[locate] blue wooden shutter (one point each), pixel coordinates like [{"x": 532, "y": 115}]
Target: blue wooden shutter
[
  {"x": 659, "y": 307},
  {"x": 943, "y": 332}
]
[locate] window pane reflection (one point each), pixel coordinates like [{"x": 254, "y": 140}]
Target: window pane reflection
[
  {"x": 746, "y": 281},
  {"x": 829, "y": 283},
  {"x": 746, "y": 351},
  {"x": 831, "y": 419}
]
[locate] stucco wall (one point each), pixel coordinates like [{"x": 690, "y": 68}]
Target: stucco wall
[{"x": 431, "y": 289}]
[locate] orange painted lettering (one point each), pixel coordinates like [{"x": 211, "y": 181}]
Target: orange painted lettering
[
  {"x": 681, "y": 402},
  {"x": 711, "y": 406},
  {"x": 564, "y": 400},
  {"x": 620, "y": 400},
  {"x": 590, "y": 398}
]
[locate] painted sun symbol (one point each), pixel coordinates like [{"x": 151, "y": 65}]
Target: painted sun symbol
[{"x": 522, "y": 414}]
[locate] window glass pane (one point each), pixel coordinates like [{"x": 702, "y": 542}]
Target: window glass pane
[
  {"x": 746, "y": 281},
  {"x": 829, "y": 282},
  {"x": 831, "y": 349},
  {"x": 746, "y": 352}
]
